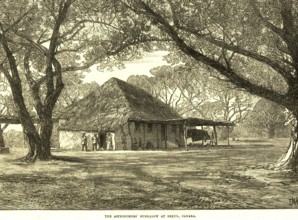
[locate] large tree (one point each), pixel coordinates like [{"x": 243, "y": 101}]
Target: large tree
[
  {"x": 43, "y": 39},
  {"x": 247, "y": 42},
  {"x": 267, "y": 117}
]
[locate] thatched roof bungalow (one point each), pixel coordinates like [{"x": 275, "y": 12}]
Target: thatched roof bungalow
[{"x": 137, "y": 119}]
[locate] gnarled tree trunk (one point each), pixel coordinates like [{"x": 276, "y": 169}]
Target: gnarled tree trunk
[
  {"x": 39, "y": 146},
  {"x": 289, "y": 160},
  {"x": 46, "y": 128},
  {"x": 2, "y": 143},
  {"x": 271, "y": 132},
  {"x": 39, "y": 140}
]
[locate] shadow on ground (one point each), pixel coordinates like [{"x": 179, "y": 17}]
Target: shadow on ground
[{"x": 205, "y": 178}]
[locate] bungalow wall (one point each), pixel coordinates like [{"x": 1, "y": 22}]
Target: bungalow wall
[
  {"x": 175, "y": 136},
  {"x": 145, "y": 136},
  {"x": 132, "y": 136},
  {"x": 122, "y": 138}
]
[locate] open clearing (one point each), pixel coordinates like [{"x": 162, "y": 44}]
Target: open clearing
[{"x": 204, "y": 178}]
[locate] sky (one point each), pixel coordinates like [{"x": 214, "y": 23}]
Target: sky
[{"x": 136, "y": 67}]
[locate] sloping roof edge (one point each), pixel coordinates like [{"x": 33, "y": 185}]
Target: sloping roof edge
[{"x": 188, "y": 121}]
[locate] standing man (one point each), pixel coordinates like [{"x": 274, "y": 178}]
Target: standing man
[
  {"x": 113, "y": 140},
  {"x": 94, "y": 140},
  {"x": 109, "y": 140},
  {"x": 84, "y": 142}
]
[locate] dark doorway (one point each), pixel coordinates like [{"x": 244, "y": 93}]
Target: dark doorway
[{"x": 102, "y": 140}]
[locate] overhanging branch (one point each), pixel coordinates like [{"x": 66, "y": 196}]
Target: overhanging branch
[
  {"x": 281, "y": 70},
  {"x": 233, "y": 77}
]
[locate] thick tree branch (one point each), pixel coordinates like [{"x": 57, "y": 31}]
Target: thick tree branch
[
  {"x": 63, "y": 9},
  {"x": 12, "y": 62},
  {"x": 51, "y": 99},
  {"x": 281, "y": 70},
  {"x": 34, "y": 88},
  {"x": 4, "y": 127},
  {"x": 30, "y": 43},
  {"x": 5, "y": 72},
  {"x": 233, "y": 77}
]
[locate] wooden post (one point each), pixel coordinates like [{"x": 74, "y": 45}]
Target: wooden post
[
  {"x": 157, "y": 138},
  {"x": 180, "y": 133},
  {"x": 184, "y": 136},
  {"x": 215, "y": 135},
  {"x": 202, "y": 127},
  {"x": 144, "y": 132},
  {"x": 166, "y": 136},
  {"x": 228, "y": 135},
  {"x": 176, "y": 140}
]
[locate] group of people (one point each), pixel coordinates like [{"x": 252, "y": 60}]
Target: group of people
[
  {"x": 94, "y": 140},
  {"x": 106, "y": 143}
]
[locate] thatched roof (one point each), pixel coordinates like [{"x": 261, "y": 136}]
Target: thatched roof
[
  {"x": 206, "y": 122},
  {"x": 112, "y": 105},
  {"x": 190, "y": 122}
]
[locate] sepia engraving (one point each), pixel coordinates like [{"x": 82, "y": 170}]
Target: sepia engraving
[{"x": 148, "y": 105}]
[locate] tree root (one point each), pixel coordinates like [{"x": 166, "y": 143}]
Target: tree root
[
  {"x": 33, "y": 158},
  {"x": 289, "y": 160},
  {"x": 286, "y": 164}
]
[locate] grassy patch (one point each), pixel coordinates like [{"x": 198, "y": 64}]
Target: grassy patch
[{"x": 206, "y": 178}]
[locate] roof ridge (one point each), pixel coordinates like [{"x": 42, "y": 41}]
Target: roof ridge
[{"x": 123, "y": 93}]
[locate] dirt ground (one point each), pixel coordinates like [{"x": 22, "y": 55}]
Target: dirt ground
[{"x": 223, "y": 177}]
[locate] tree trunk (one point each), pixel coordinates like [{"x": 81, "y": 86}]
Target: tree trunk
[
  {"x": 39, "y": 144},
  {"x": 46, "y": 128},
  {"x": 289, "y": 160},
  {"x": 271, "y": 132},
  {"x": 2, "y": 143}
]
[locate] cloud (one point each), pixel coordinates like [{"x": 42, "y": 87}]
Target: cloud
[{"x": 136, "y": 67}]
